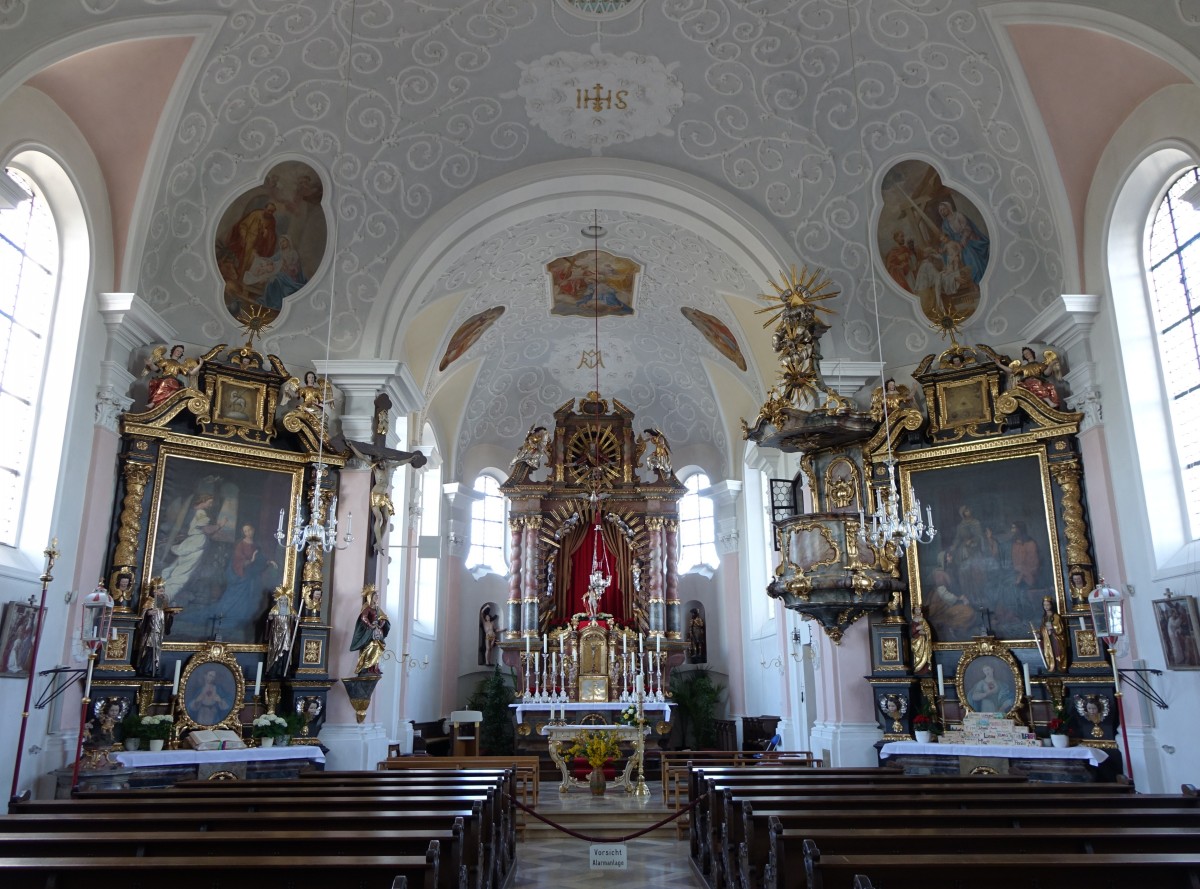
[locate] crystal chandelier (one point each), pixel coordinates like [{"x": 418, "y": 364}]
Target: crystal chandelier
[
  {"x": 314, "y": 530},
  {"x": 889, "y": 524}
]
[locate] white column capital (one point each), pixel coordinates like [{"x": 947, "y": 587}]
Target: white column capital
[
  {"x": 360, "y": 381},
  {"x": 1066, "y": 324}
]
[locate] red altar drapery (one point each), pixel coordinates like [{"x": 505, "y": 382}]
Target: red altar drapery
[{"x": 613, "y": 601}]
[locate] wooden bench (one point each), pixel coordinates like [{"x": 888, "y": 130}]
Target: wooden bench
[
  {"x": 786, "y": 855},
  {"x": 999, "y": 870},
  {"x": 527, "y": 769},
  {"x": 203, "y": 872}
]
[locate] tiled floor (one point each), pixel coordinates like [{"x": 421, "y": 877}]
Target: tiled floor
[{"x": 554, "y": 860}]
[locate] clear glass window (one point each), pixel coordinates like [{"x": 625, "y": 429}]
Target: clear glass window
[
  {"x": 1174, "y": 262},
  {"x": 28, "y": 286},
  {"x": 697, "y": 532},
  {"x": 488, "y": 520}
]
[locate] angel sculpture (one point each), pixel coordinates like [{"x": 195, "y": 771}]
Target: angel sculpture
[
  {"x": 658, "y": 460},
  {"x": 1036, "y": 376},
  {"x": 530, "y": 454},
  {"x": 314, "y": 397},
  {"x": 1093, "y": 708},
  {"x": 174, "y": 372},
  {"x": 898, "y": 398}
]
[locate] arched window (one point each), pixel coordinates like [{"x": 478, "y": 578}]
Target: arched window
[
  {"x": 488, "y": 518},
  {"x": 697, "y": 534},
  {"x": 29, "y": 262},
  {"x": 1174, "y": 268}
]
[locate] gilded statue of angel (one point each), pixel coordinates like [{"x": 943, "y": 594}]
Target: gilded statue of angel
[
  {"x": 173, "y": 372},
  {"x": 898, "y": 398},
  {"x": 1036, "y": 376},
  {"x": 531, "y": 453},
  {"x": 658, "y": 460}
]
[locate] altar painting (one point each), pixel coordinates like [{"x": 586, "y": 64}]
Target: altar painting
[
  {"x": 996, "y": 553},
  {"x": 933, "y": 241},
  {"x": 212, "y": 542}
]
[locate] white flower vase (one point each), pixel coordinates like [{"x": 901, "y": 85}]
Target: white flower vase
[
  {"x": 266, "y": 742},
  {"x": 923, "y": 737},
  {"x": 133, "y": 743},
  {"x": 1060, "y": 740},
  {"x": 156, "y": 744}
]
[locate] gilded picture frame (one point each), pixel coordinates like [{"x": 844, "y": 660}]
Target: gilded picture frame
[
  {"x": 17, "y": 631},
  {"x": 997, "y": 552},
  {"x": 212, "y": 690},
  {"x": 1179, "y": 630},
  {"x": 210, "y": 538},
  {"x": 989, "y": 680}
]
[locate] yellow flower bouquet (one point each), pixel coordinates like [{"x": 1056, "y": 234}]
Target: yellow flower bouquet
[{"x": 596, "y": 747}]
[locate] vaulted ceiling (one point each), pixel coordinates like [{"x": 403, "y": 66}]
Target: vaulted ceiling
[{"x": 779, "y": 117}]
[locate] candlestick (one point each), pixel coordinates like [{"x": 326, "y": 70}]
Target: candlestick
[
  {"x": 941, "y": 682},
  {"x": 175, "y": 684},
  {"x": 258, "y": 679}
]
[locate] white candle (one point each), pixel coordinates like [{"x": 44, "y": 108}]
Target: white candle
[
  {"x": 658, "y": 644},
  {"x": 941, "y": 683},
  {"x": 624, "y": 643},
  {"x": 640, "y": 649},
  {"x": 349, "y": 523},
  {"x": 279, "y": 530},
  {"x": 258, "y": 678},
  {"x": 527, "y": 648},
  {"x": 175, "y": 684},
  {"x": 1025, "y": 671},
  {"x": 545, "y": 643},
  {"x": 561, "y": 641}
]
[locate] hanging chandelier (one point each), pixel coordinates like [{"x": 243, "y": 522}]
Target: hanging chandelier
[{"x": 890, "y": 523}]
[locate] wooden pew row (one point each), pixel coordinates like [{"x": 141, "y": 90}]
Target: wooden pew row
[
  {"x": 527, "y": 769},
  {"x": 487, "y": 857},
  {"x": 202, "y": 872},
  {"x": 719, "y": 850},
  {"x": 759, "y": 825},
  {"x": 675, "y": 764},
  {"x": 778, "y": 767},
  {"x": 787, "y": 846},
  {"x": 146, "y": 823},
  {"x": 1001, "y": 870},
  {"x": 706, "y": 829}
]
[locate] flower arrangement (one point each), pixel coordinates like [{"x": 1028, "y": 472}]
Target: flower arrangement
[
  {"x": 922, "y": 723},
  {"x": 157, "y": 728},
  {"x": 269, "y": 726},
  {"x": 628, "y": 716},
  {"x": 596, "y": 747},
  {"x": 131, "y": 726},
  {"x": 1058, "y": 726},
  {"x": 926, "y": 719}
]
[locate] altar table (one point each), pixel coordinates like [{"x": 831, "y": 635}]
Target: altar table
[
  {"x": 1054, "y": 764},
  {"x": 649, "y": 707},
  {"x": 133, "y": 769},
  {"x": 561, "y": 734}
]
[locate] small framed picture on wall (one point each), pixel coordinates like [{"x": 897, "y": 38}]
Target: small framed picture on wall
[
  {"x": 1178, "y": 624},
  {"x": 17, "y": 629}
]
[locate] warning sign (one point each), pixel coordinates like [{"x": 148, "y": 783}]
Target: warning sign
[{"x": 609, "y": 856}]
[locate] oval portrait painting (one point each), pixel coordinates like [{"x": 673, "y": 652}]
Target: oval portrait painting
[
  {"x": 270, "y": 241},
  {"x": 933, "y": 242}
]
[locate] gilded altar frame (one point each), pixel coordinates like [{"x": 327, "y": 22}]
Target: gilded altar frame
[
  {"x": 988, "y": 673},
  {"x": 212, "y": 690}
]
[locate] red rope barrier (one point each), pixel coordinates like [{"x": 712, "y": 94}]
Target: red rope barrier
[{"x": 633, "y": 836}]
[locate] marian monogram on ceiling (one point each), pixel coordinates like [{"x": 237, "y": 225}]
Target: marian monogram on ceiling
[{"x": 597, "y": 99}]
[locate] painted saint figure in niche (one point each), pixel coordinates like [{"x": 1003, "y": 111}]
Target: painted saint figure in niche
[{"x": 468, "y": 334}]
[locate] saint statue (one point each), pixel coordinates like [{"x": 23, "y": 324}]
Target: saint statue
[
  {"x": 279, "y": 632},
  {"x": 153, "y": 624},
  {"x": 530, "y": 454},
  {"x": 369, "y": 633}
]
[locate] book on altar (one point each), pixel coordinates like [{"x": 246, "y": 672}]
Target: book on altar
[{"x": 219, "y": 739}]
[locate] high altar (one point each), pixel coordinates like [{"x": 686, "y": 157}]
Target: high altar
[{"x": 593, "y": 601}]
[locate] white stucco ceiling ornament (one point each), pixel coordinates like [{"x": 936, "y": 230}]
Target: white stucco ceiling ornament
[
  {"x": 594, "y": 100},
  {"x": 600, "y": 10}
]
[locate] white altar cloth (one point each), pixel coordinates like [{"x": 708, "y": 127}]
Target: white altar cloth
[
  {"x": 143, "y": 758},
  {"x": 1093, "y": 755},
  {"x": 648, "y": 707}
]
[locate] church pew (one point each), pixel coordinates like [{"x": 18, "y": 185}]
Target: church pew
[
  {"x": 785, "y": 854},
  {"x": 445, "y": 845},
  {"x": 203, "y": 872},
  {"x": 708, "y": 833},
  {"x": 717, "y": 845},
  {"x": 675, "y": 764},
  {"x": 527, "y": 769},
  {"x": 998, "y": 870},
  {"x": 759, "y": 823},
  {"x": 487, "y": 830}
]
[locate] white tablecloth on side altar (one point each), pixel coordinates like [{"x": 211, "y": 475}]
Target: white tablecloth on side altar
[
  {"x": 143, "y": 758},
  {"x": 1093, "y": 755}
]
